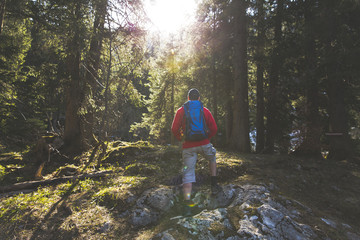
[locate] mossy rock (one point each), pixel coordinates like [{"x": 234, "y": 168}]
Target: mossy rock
[
  {"x": 119, "y": 151},
  {"x": 143, "y": 169},
  {"x": 111, "y": 198}
]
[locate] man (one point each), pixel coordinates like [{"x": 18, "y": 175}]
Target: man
[{"x": 192, "y": 147}]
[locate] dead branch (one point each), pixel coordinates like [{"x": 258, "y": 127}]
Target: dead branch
[{"x": 54, "y": 181}]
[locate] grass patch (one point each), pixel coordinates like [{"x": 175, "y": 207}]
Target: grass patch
[{"x": 15, "y": 208}]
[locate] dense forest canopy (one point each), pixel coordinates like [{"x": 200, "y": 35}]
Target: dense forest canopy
[{"x": 278, "y": 75}]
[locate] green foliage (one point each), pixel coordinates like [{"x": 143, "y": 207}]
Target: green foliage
[
  {"x": 168, "y": 84},
  {"x": 14, "y": 43},
  {"x": 141, "y": 82},
  {"x": 36, "y": 43}
]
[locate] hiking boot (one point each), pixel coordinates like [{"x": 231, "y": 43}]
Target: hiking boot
[
  {"x": 187, "y": 211},
  {"x": 188, "y": 205},
  {"x": 215, "y": 189}
]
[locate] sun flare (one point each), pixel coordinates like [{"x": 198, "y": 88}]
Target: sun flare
[{"x": 169, "y": 16}]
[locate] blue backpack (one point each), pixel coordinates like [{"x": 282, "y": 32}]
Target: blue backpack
[{"x": 196, "y": 129}]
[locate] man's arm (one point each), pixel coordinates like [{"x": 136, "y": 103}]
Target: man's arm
[
  {"x": 176, "y": 127},
  {"x": 210, "y": 123}
]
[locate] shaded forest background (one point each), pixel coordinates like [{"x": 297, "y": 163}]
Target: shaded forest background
[{"x": 278, "y": 75}]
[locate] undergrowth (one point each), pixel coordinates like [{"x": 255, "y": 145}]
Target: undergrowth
[{"x": 93, "y": 208}]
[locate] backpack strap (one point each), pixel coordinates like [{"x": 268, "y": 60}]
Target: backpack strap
[
  {"x": 203, "y": 117},
  {"x": 187, "y": 117}
]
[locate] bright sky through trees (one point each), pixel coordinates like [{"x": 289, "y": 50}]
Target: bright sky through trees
[{"x": 169, "y": 16}]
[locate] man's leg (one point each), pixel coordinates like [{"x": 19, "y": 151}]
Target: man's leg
[
  {"x": 210, "y": 154},
  {"x": 187, "y": 188},
  {"x": 212, "y": 166},
  {"x": 215, "y": 188},
  {"x": 189, "y": 158}
]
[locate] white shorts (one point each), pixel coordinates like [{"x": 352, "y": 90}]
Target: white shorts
[{"x": 190, "y": 157}]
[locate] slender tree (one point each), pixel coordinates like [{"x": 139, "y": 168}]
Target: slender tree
[
  {"x": 73, "y": 135},
  {"x": 340, "y": 146},
  {"x": 92, "y": 67},
  {"x": 104, "y": 126},
  {"x": 215, "y": 84},
  {"x": 311, "y": 145},
  {"x": 240, "y": 130},
  {"x": 272, "y": 127},
  {"x": 259, "y": 58}
]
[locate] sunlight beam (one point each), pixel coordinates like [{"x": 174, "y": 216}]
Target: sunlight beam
[{"x": 169, "y": 16}]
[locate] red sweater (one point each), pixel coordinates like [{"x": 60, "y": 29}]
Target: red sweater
[{"x": 178, "y": 127}]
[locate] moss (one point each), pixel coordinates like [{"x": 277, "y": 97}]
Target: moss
[
  {"x": 15, "y": 208},
  {"x": 141, "y": 169},
  {"x": 218, "y": 228},
  {"x": 235, "y": 214},
  {"x": 111, "y": 197},
  {"x": 252, "y": 210}
]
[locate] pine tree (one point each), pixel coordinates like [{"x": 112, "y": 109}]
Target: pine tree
[{"x": 240, "y": 129}]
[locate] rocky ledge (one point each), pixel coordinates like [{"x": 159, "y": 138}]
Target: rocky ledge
[{"x": 238, "y": 212}]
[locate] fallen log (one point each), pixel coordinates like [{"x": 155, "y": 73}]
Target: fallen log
[
  {"x": 9, "y": 194},
  {"x": 35, "y": 184}
]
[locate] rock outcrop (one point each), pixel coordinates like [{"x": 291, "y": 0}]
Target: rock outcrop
[
  {"x": 238, "y": 212},
  {"x": 151, "y": 205}
]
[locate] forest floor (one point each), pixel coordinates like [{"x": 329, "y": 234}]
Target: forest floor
[{"x": 93, "y": 208}]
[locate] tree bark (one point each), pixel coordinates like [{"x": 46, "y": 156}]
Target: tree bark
[
  {"x": 229, "y": 109},
  {"x": 214, "y": 79},
  {"x": 311, "y": 145},
  {"x": 339, "y": 140},
  {"x": 92, "y": 68},
  {"x": 172, "y": 97},
  {"x": 73, "y": 136},
  {"x": 104, "y": 120},
  {"x": 272, "y": 130},
  {"x": 240, "y": 140},
  {"x": 260, "y": 106}
]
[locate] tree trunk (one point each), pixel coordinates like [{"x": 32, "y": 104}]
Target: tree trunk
[
  {"x": 229, "y": 109},
  {"x": 92, "y": 68},
  {"x": 172, "y": 97},
  {"x": 339, "y": 140},
  {"x": 214, "y": 80},
  {"x": 272, "y": 129},
  {"x": 260, "y": 107},
  {"x": 240, "y": 140},
  {"x": 311, "y": 144},
  {"x": 73, "y": 136},
  {"x": 214, "y": 95},
  {"x": 2, "y": 14},
  {"x": 104, "y": 121}
]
